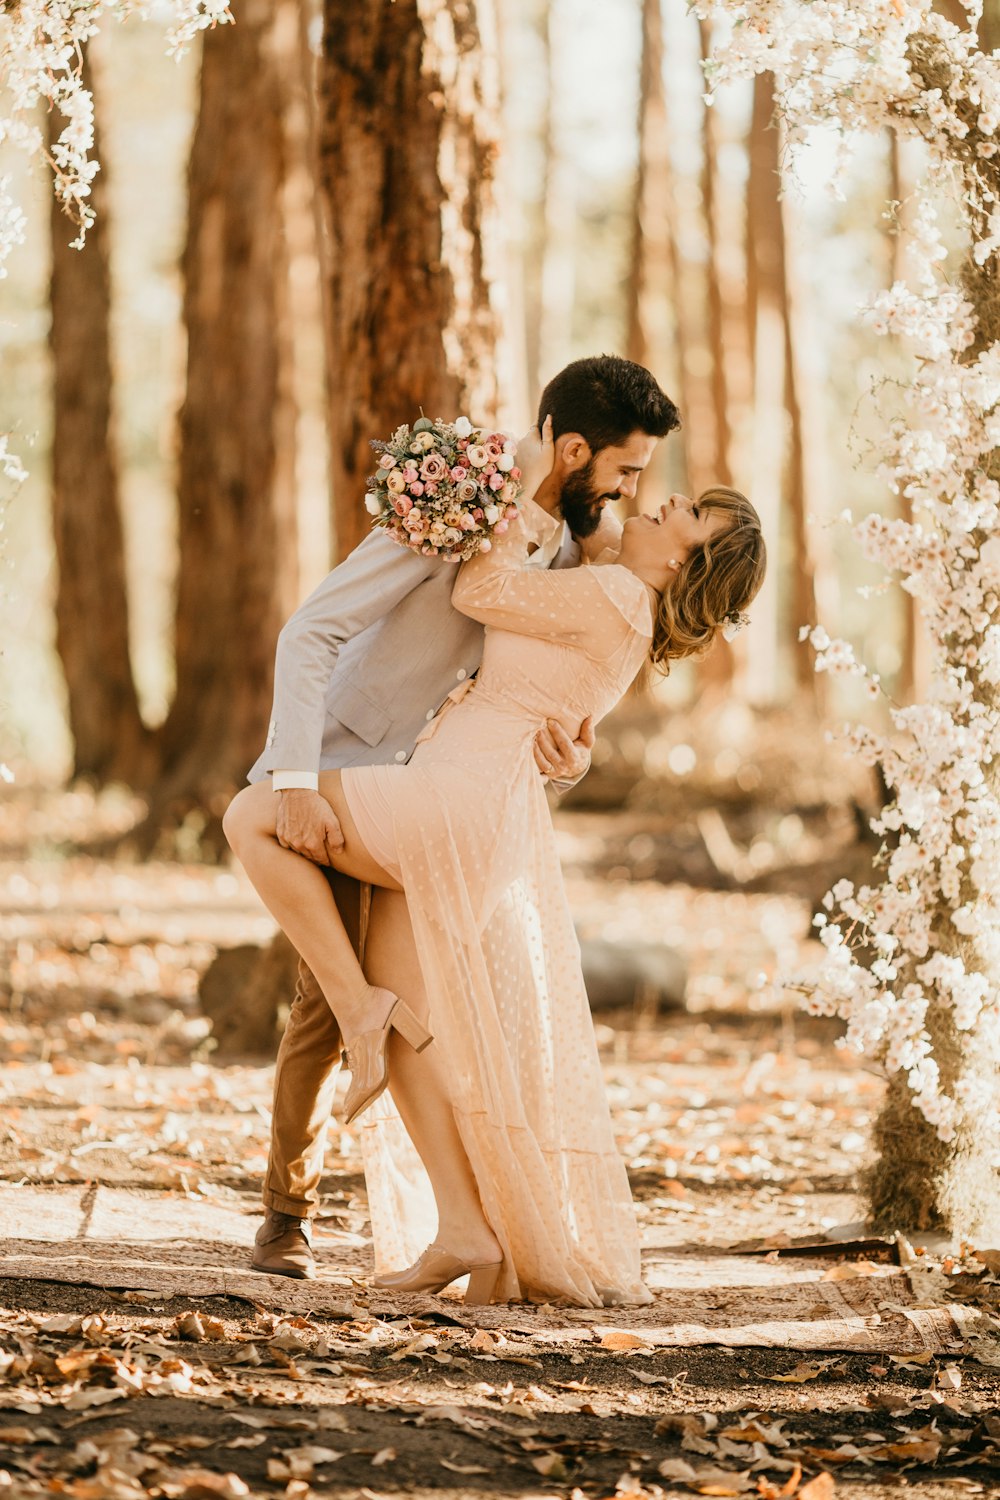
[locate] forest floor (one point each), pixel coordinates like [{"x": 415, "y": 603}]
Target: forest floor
[{"x": 783, "y": 1353}]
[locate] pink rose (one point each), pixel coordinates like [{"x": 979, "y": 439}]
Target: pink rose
[
  {"x": 494, "y": 449},
  {"x": 433, "y": 467},
  {"x": 414, "y": 524},
  {"x": 515, "y": 473},
  {"x": 467, "y": 523},
  {"x": 410, "y": 473},
  {"x": 496, "y": 481},
  {"x": 477, "y": 456},
  {"x": 458, "y": 473},
  {"x": 416, "y": 489},
  {"x": 478, "y": 514},
  {"x": 387, "y": 461},
  {"x": 403, "y": 505},
  {"x": 467, "y": 491},
  {"x": 430, "y": 489},
  {"x": 500, "y": 528}
]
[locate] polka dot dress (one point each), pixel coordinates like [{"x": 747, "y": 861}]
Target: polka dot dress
[{"x": 473, "y": 839}]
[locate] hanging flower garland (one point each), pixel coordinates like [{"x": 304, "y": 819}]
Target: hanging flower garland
[
  {"x": 929, "y": 934},
  {"x": 41, "y": 44}
]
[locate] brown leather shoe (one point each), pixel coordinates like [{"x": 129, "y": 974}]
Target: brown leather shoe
[{"x": 282, "y": 1248}]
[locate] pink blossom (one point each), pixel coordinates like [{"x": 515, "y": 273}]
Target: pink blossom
[
  {"x": 433, "y": 467},
  {"x": 403, "y": 505},
  {"x": 416, "y": 489},
  {"x": 458, "y": 473},
  {"x": 387, "y": 461},
  {"x": 496, "y": 481}
]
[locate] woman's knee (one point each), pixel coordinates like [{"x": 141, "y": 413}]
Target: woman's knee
[{"x": 239, "y": 819}]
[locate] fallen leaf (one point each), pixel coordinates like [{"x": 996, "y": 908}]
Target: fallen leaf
[
  {"x": 801, "y": 1373},
  {"x": 916, "y": 1450},
  {"x": 550, "y": 1465},
  {"x": 771, "y": 1491},
  {"x": 820, "y": 1488},
  {"x": 463, "y": 1468},
  {"x": 621, "y": 1340},
  {"x": 384, "y": 1456},
  {"x": 847, "y": 1270},
  {"x": 675, "y": 1468}
]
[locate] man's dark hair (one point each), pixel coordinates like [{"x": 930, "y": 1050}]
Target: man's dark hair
[{"x": 606, "y": 398}]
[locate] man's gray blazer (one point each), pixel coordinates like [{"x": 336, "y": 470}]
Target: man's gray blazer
[{"x": 369, "y": 658}]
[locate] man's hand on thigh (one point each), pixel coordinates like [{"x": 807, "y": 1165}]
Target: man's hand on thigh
[{"x": 307, "y": 824}]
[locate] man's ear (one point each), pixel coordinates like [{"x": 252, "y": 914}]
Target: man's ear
[{"x": 572, "y": 451}]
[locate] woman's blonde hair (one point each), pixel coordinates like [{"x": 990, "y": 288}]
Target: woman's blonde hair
[{"x": 714, "y": 585}]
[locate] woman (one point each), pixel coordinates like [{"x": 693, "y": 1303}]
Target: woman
[{"x": 507, "y": 1109}]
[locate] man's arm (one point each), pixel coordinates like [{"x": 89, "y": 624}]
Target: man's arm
[{"x": 366, "y": 586}]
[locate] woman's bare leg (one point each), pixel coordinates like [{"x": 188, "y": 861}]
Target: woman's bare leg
[
  {"x": 419, "y": 1088},
  {"x": 296, "y": 893}
]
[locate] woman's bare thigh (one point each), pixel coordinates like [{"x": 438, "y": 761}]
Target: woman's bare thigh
[
  {"x": 256, "y": 808},
  {"x": 354, "y": 859}
]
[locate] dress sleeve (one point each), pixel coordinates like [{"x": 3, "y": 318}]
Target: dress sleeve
[{"x": 594, "y": 608}]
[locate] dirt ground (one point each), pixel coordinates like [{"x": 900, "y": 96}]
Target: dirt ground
[{"x": 782, "y": 1355}]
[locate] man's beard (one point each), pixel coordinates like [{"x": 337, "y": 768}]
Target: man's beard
[{"x": 579, "y": 505}]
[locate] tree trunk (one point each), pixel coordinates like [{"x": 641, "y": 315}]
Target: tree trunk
[
  {"x": 814, "y": 592},
  {"x": 110, "y": 740},
  {"x": 766, "y": 331},
  {"x": 557, "y": 258},
  {"x": 237, "y": 529},
  {"x": 408, "y": 136},
  {"x": 914, "y": 666},
  {"x": 649, "y": 336}
]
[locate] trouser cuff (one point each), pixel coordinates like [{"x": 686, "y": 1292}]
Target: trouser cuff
[{"x": 301, "y": 1208}]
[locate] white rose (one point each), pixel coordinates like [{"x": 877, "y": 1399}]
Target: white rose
[
  {"x": 477, "y": 456},
  {"x": 505, "y": 462},
  {"x": 463, "y": 427},
  {"x": 372, "y": 506},
  {"x": 492, "y": 515}
]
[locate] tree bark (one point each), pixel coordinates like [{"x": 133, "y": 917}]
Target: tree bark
[
  {"x": 408, "y": 136},
  {"x": 237, "y": 529},
  {"x": 649, "y": 335},
  {"x": 110, "y": 741}
]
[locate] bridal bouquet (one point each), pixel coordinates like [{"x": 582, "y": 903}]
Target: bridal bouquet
[{"x": 444, "y": 488}]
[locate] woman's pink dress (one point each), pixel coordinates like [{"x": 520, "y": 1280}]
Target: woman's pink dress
[{"x": 474, "y": 844}]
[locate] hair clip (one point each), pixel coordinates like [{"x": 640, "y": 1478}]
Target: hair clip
[{"x": 733, "y": 624}]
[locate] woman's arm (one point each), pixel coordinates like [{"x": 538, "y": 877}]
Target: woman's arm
[{"x": 565, "y": 604}]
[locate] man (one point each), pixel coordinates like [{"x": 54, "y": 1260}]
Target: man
[{"x": 361, "y": 667}]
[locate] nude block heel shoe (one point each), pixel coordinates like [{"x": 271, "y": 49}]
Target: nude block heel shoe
[
  {"x": 366, "y": 1056},
  {"x": 437, "y": 1268}
]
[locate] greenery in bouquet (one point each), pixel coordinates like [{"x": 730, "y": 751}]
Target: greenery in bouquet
[{"x": 444, "y": 488}]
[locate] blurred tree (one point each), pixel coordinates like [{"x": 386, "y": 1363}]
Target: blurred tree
[
  {"x": 110, "y": 741},
  {"x": 559, "y": 212},
  {"x": 408, "y": 135},
  {"x": 788, "y": 435},
  {"x": 649, "y": 312},
  {"x": 237, "y": 529}
]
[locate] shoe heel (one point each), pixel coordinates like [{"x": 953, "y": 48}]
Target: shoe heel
[
  {"x": 409, "y": 1028},
  {"x": 482, "y": 1284}
]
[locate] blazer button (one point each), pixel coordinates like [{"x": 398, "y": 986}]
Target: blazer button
[
  {"x": 462, "y": 674},
  {"x": 400, "y": 755}
]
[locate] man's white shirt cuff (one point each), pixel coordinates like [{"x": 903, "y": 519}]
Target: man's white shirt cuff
[{"x": 286, "y": 781}]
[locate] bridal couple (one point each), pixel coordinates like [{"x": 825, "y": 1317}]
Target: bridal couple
[{"x": 397, "y": 828}]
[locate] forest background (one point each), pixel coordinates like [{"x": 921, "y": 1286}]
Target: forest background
[{"x": 623, "y": 216}]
